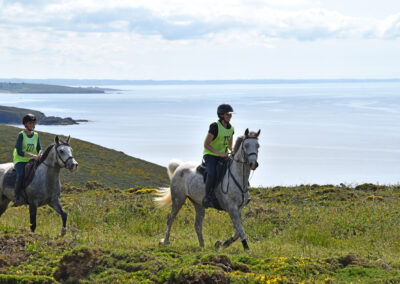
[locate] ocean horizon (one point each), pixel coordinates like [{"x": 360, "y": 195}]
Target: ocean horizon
[{"x": 330, "y": 133}]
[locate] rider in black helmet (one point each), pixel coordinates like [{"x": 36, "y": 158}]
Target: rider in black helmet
[
  {"x": 27, "y": 148},
  {"x": 218, "y": 141}
]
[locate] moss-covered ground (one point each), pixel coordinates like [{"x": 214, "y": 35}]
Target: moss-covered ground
[{"x": 302, "y": 234}]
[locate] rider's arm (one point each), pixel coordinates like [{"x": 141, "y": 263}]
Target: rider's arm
[
  {"x": 38, "y": 147},
  {"x": 18, "y": 145}
]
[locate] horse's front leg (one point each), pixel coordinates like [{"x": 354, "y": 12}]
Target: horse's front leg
[
  {"x": 236, "y": 215},
  {"x": 56, "y": 205},
  {"x": 32, "y": 215}
]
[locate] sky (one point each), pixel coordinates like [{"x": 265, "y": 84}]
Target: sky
[{"x": 199, "y": 40}]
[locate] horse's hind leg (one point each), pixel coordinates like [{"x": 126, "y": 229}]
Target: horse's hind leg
[
  {"x": 178, "y": 199},
  {"x": 32, "y": 215},
  {"x": 56, "y": 205},
  {"x": 4, "y": 201},
  {"x": 198, "y": 225}
]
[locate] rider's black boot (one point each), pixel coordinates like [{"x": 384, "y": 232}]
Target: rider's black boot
[
  {"x": 209, "y": 197},
  {"x": 18, "y": 201}
]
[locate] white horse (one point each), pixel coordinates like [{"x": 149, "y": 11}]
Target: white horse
[
  {"x": 45, "y": 187},
  {"x": 232, "y": 192}
]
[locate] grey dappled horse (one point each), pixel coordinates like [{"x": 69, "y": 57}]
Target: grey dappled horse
[
  {"x": 232, "y": 193},
  {"x": 45, "y": 187}
]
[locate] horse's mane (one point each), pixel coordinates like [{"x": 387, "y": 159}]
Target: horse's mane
[
  {"x": 45, "y": 154},
  {"x": 240, "y": 139},
  {"x": 238, "y": 142}
]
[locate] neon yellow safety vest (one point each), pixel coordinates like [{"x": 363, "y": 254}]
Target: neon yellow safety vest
[
  {"x": 220, "y": 143},
  {"x": 29, "y": 145}
]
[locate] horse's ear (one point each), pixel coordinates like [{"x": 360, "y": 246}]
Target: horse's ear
[
  {"x": 246, "y": 132},
  {"x": 57, "y": 140},
  {"x": 258, "y": 133},
  {"x": 69, "y": 137}
]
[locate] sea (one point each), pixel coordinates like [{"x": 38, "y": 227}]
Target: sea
[{"x": 311, "y": 133}]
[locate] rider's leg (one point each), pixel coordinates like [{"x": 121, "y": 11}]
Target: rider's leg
[
  {"x": 20, "y": 169},
  {"x": 211, "y": 164}
]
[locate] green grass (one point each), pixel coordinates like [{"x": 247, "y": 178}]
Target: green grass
[
  {"x": 111, "y": 168},
  {"x": 304, "y": 234}
]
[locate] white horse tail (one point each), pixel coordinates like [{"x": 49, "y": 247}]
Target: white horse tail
[
  {"x": 164, "y": 197},
  {"x": 173, "y": 164}
]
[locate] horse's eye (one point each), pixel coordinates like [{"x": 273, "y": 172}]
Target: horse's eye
[{"x": 62, "y": 151}]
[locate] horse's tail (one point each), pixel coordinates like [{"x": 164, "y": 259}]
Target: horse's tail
[
  {"x": 173, "y": 164},
  {"x": 164, "y": 197}
]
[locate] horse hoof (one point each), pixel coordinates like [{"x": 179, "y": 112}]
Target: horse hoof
[
  {"x": 63, "y": 232},
  {"x": 218, "y": 244},
  {"x": 163, "y": 242}
]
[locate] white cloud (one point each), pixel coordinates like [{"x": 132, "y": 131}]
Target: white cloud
[
  {"x": 178, "y": 20},
  {"x": 172, "y": 39}
]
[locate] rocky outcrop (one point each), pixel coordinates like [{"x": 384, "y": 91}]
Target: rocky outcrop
[{"x": 13, "y": 115}]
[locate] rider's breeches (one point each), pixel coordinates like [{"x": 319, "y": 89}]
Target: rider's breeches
[
  {"x": 20, "y": 169},
  {"x": 211, "y": 166}
]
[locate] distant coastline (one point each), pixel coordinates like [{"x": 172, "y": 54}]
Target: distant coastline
[
  {"x": 34, "y": 88},
  {"x": 14, "y": 115},
  {"x": 111, "y": 82}
]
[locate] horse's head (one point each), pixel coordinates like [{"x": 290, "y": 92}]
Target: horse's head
[
  {"x": 250, "y": 147},
  {"x": 64, "y": 157}
]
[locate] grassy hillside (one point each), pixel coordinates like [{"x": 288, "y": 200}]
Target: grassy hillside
[
  {"x": 304, "y": 234},
  {"x": 112, "y": 168}
]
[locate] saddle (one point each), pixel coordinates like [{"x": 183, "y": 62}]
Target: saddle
[
  {"x": 11, "y": 175},
  {"x": 222, "y": 166}
]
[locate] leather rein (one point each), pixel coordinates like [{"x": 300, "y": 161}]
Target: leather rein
[{"x": 243, "y": 188}]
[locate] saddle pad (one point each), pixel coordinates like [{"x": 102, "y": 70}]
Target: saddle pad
[
  {"x": 11, "y": 175},
  {"x": 9, "y": 178}
]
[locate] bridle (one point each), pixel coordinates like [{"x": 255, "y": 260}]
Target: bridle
[
  {"x": 244, "y": 187},
  {"x": 243, "y": 151},
  {"x": 58, "y": 156}
]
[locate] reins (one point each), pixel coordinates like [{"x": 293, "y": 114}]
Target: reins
[{"x": 243, "y": 189}]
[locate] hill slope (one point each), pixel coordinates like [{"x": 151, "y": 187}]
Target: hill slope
[{"x": 110, "y": 167}]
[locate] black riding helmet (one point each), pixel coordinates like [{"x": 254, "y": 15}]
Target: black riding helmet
[
  {"x": 224, "y": 108},
  {"x": 29, "y": 117}
]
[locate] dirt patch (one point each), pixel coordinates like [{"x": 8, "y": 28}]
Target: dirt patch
[
  {"x": 13, "y": 249},
  {"x": 351, "y": 259},
  {"x": 78, "y": 264},
  {"x": 354, "y": 260},
  {"x": 255, "y": 211},
  {"x": 225, "y": 263},
  {"x": 203, "y": 277}
]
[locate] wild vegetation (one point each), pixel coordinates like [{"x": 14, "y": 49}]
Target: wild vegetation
[
  {"x": 303, "y": 234},
  {"x": 300, "y": 234}
]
